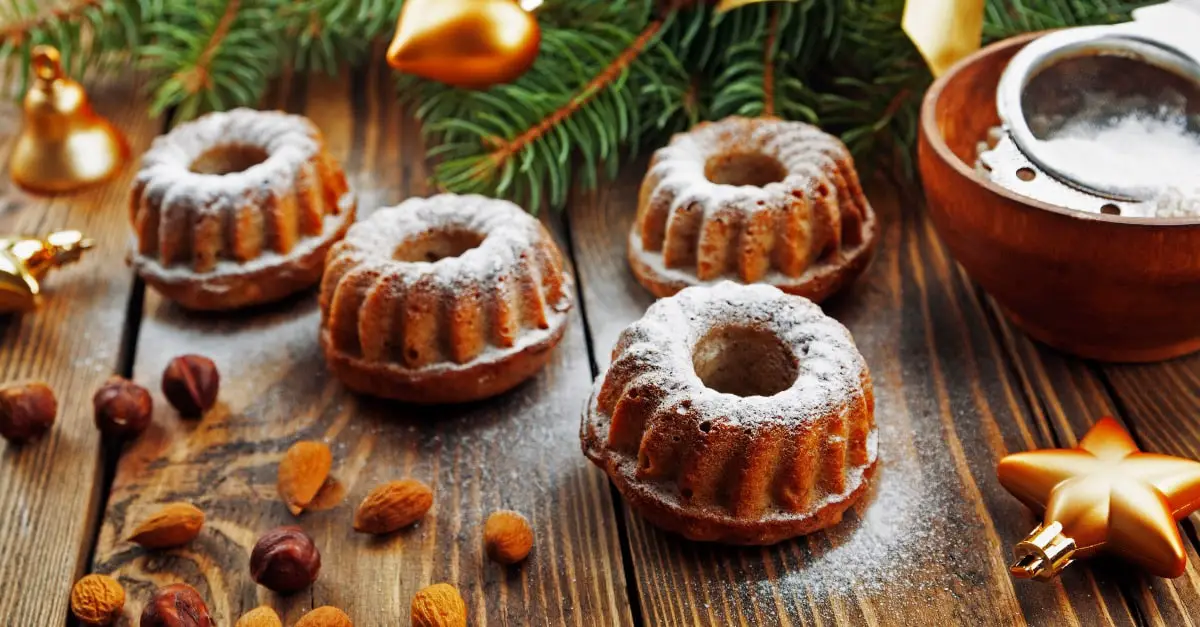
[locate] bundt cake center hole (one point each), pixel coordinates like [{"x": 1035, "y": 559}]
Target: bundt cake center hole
[
  {"x": 228, "y": 159},
  {"x": 744, "y": 361},
  {"x": 435, "y": 246},
  {"x": 744, "y": 168}
]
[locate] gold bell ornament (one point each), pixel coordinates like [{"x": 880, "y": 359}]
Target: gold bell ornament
[
  {"x": 472, "y": 44},
  {"x": 64, "y": 146},
  {"x": 24, "y": 261}
]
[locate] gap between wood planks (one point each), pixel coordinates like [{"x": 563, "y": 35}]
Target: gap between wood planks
[
  {"x": 1033, "y": 403},
  {"x": 110, "y": 451},
  {"x": 1002, "y": 332},
  {"x": 631, "y": 592}
]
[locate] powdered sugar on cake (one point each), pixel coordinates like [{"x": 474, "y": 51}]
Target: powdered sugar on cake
[
  {"x": 505, "y": 254},
  {"x": 181, "y": 199},
  {"x": 830, "y": 367},
  {"x": 744, "y": 412},
  {"x": 753, "y": 201}
]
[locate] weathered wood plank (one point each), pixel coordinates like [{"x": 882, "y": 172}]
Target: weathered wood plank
[
  {"x": 1068, "y": 395},
  {"x": 51, "y": 490},
  {"x": 517, "y": 451},
  {"x": 930, "y": 544},
  {"x": 1160, "y": 404}
]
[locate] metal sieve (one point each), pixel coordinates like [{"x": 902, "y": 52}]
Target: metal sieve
[{"x": 1149, "y": 66}]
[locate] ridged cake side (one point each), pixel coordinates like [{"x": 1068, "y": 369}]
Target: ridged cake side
[
  {"x": 290, "y": 196},
  {"x": 505, "y": 293},
  {"x": 815, "y": 213},
  {"x": 716, "y": 466}
]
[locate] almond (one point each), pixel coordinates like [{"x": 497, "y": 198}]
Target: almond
[
  {"x": 326, "y": 616},
  {"x": 97, "y": 600},
  {"x": 507, "y": 537},
  {"x": 303, "y": 471},
  {"x": 173, "y": 525},
  {"x": 439, "y": 605},
  {"x": 393, "y": 505},
  {"x": 260, "y": 617}
]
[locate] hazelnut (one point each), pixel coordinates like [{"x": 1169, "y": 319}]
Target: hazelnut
[
  {"x": 439, "y": 605},
  {"x": 176, "y": 605},
  {"x": 325, "y": 616},
  {"x": 190, "y": 384},
  {"x": 97, "y": 600},
  {"x": 123, "y": 408},
  {"x": 285, "y": 560},
  {"x": 260, "y": 617},
  {"x": 507, "y": 537},
  {"x": 26, "y": 411}
]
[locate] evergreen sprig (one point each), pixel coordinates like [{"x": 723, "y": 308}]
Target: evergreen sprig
[{"x": 612, "y": 77}]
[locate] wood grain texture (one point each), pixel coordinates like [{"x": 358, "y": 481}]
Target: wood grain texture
[
  {"x": 517, "y": 451},
  {"x": 51, "y": 490},
  {"x": 930, "y": 544}
]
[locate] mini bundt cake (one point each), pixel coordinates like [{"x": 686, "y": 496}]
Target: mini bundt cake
[
  {"x": 756, "y": 201},
  {"x": 735, "y": 414},
  {"x": 237, "y": 209},
  {"x": 443, "y": 300}
]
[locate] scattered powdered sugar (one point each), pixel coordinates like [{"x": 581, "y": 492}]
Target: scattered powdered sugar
[{"x": 1148, "y": 156}]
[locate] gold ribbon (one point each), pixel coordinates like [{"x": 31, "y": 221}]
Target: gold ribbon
[{"x": 944, "y": 31}]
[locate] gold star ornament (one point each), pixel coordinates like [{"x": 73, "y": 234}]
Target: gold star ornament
[{"x": 1102, "y": 496}]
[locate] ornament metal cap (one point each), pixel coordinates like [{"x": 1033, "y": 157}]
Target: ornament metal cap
[
  {"x": 1043, "y": 553},
  {"x": 64, "y": 145}
]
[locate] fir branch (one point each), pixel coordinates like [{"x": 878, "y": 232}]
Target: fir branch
[
  {"x": 506, "y": 149},
  {"x": 769, "y": 64},
  {"x": 601, "y": 68},
  {"x": 215, "y": 55},
  {"x": 16, "y": 33},
  {"x": 87, "y": 33}
]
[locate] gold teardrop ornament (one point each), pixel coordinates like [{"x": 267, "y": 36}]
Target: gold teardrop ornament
[{"x": 472, "y": 44}]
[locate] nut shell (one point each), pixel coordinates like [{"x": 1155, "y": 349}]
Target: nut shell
[
  {"x": 123, "y": 409},
  {"x": 392, "y": 506},
  {"x": 176, "y": 605},
  {"x": 285, "y": 560},
  {"x": 191, "y": 383},
  {"x": 507, "y": 538},
  {"x": 302, "y": 472},
  {"x": 260, "y": 617},
  {"x": 26, "y": 411},
  {"x": 439, "y": 605},
  {"x": 325, "y": 616},
  {"x": 175, "y": 524},
  {"x": 97, "y": 600}
]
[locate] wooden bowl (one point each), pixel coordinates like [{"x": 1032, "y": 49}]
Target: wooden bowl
[{"x": 1099, "y": 286}]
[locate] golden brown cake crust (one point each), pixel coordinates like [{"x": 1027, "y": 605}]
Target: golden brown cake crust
[
  {"x": 446, "y": 299},
  {"x": 263, "y": 285},
  {"x": 818, "y": 282},
  {"x": 753, "y": 200},
  {"x": 735, "y": 414},
  {"x": 237, "y": 209},
  {"x": 479, "y": 380}
]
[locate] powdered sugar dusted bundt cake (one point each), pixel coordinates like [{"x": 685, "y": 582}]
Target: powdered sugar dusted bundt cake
[
  {"x": 756, "y": 201},
  {"x": 735, "y": 414},
  {"x": 237, "y": 208},
  {"x": 444, "y": 299}
]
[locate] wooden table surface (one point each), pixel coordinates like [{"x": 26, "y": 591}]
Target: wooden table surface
[{"x": 957, "y": 388}]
